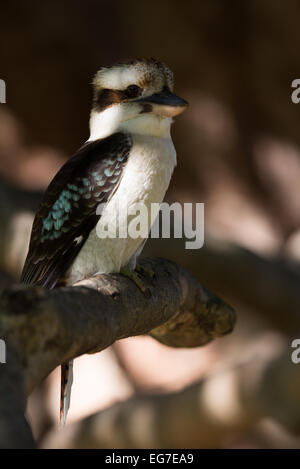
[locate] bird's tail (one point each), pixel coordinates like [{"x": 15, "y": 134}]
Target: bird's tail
[{"x": 65, "y": 390}]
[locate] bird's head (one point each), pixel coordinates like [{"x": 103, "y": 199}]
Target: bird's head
[{"x": 137, "y": 97}]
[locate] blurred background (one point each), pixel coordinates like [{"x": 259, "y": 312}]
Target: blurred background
[{"x": 238, "y": 149}]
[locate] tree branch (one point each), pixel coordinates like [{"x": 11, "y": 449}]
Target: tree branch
[
  {"x": 46, "y": 328},
  {"x": 267, "y": 285}
]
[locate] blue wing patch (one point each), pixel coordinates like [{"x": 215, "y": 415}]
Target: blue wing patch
[{"x": 68, "y": 210}]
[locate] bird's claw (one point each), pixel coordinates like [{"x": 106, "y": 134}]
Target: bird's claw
[
  {"x": 134, "y": 276},
  {"x": 141, "y": 269}
]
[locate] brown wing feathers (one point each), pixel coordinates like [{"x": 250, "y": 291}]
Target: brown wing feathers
[{"x": 67, "y": 212}]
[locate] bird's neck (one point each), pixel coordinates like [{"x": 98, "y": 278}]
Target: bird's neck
[
  {"x": 106, "y": 123},
  {"x": 148, "y": 124}
]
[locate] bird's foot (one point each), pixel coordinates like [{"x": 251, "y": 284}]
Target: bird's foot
[
  {"x": 134, "y": 276},
  {"x": 141, "y": 269}
]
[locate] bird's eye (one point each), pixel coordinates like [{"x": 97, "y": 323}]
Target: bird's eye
[{"x": 133, "y": 91}]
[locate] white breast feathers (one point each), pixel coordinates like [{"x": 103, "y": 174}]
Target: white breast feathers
[{"x": 145, "y": 180}]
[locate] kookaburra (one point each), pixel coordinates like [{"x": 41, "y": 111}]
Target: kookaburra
[{"x": 129, "y": 158}]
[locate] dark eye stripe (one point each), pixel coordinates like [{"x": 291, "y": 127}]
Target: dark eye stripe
[{"x": 106, "y": 98}]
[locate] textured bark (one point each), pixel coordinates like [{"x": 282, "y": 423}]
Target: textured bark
[
  {"x": 266, "y": 285},
  {"x": 46, "y": 328}
]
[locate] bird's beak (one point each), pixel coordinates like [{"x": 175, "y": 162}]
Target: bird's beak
[{"x": 165, "y": 103}]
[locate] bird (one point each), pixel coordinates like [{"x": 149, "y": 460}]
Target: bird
[{"x": 129, "y": 158}]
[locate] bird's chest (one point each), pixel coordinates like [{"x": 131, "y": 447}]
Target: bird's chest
[
  {"x": 147, "y": 174},
  {"x": 144, "y": 181}
]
